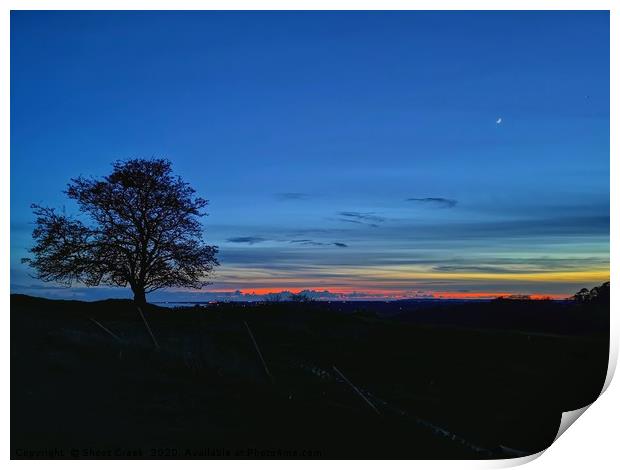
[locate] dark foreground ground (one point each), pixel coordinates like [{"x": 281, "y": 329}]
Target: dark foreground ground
[{"x": 408, "y": 380}]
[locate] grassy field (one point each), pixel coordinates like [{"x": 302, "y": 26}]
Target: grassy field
[{"x": 439, "y": 380}]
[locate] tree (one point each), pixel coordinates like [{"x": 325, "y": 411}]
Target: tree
[
  {"x": 140, "y": 227},
  {"x": 599, "y": 294},
  {"x": 582, "y": 296}
]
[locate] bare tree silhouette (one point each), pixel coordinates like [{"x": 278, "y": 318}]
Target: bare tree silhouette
[{"x": 141, "y": 228}]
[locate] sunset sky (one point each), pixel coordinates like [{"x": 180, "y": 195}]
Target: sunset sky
[{"x": 370, "y": 154}]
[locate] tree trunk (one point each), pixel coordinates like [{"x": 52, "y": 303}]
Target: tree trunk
[{"x": 139, "y": 296}]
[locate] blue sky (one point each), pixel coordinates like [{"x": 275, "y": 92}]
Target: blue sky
[{"x": 342, "y": 151}]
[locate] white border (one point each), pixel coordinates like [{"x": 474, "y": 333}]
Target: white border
[
  {"x": 308, "y": 5},
  {"x": 591, "y": 443}
]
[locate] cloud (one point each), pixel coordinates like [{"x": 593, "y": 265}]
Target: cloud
[
  {"x": 315, "y": 243},
  {"x": 291, "y": 196},
  {"x": 479, "y": 269},
  {"x": 436, "y": 201},
  {"x": 304, "y": 241},
  {"x": 358, "y": 222},
  {"x": 307, "y": 242},
  {"x": 248, "y": 240},
  {"x": 249, "y": 295},
  {"x": 365, "y": 218}
]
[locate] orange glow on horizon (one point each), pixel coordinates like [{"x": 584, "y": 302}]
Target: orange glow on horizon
[
  {"x": 388, "y": 294},
  {"x": 493, "y": 295}
]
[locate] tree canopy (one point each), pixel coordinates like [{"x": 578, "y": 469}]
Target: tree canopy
[
  {"x": 140, "y": 227},
  {"x": 599, "y": 294}
]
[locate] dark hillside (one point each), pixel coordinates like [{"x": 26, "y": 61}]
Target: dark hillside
[{"x": 423, "y": 389}]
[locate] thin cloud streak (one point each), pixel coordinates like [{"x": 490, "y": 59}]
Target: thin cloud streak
[
  {"x": 315, "y": 243},
  {"x": 292, "y": 196},
  {"x": 436, "y": 201},
  {"x": 307, "y": 242},
  {"x": 248, "y": 240},
  {"x": 362, "y": 216}
]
